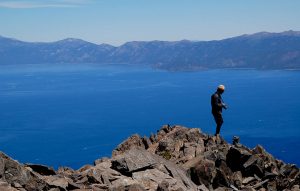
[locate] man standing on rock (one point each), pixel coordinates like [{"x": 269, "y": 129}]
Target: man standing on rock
[{"x": 217, "y": 105}]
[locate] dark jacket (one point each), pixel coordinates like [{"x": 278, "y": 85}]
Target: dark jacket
[{"x": 216, "y": 103}]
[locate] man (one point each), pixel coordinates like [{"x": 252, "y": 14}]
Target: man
[{"x": 217, "y": 105}]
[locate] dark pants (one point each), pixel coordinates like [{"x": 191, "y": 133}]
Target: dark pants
[{"x": 219, "y": 121}]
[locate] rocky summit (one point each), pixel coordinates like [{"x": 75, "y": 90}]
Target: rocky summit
[{"x": 176, "y": 158}]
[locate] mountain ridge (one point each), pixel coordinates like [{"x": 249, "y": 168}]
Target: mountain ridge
[{"x": 263, "y": 50}]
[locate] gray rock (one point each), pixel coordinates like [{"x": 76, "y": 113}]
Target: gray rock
[
  {"x": 236, "y": 157},
  {"x": 57, "y": 182},
  {"x": 135, "y": 141},
  {"x": 151, "y": 178},
  {"x": 295, "y": 188},
  {"x": 123, "y": 183},
  {"x": 147, "y": 167},
  {"x": 41, "y": 169},
  {"x": 237, "y": 179},
  {"x": 101, "y": 160},
  {"x": 14, "y": 172},
  {"x": 4, "y": 186},
  {"x": 203, "y": 172},
  {"x": 247, "y": 180},
  {"x": 134, "y": 160},
  {"x": 146, "y": 141},
  {"x": 202, "y": 187},
  {"x": 54, "y": 189},
  {"x": 133, "y": 187},
  {"x": 66, "y": 171},
  {"x": 163, "y": 186},
  {"x": 100, "y": 187}
]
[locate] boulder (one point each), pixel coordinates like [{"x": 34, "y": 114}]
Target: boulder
[
  {"x": 66, "y": 171},
  {"x": 152, "y": 178},
  {"x": 41, "y": 169},
  {"x": 202, "y": 187},
  {"x": 163, "y": 186},
  {"x": 57, "y": 182},
  {"x": 132, "y": 187},
  {"x": 236, "y": 157},
  {"x": 295, "y": 188},
  {"x": 13, "y": 172},
  {"x": 151, "y": 170},
  {"x": 203, "y": 172},
  {"x": 237, "y": 179},
  {"x": 124, "y": 183},
  {"x": 4, "y": 186},
  {"x": 134, "y": 160},
  {"x": 131, "y": 142}
]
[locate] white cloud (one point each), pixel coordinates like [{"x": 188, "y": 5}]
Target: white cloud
[{"x": 29, "y": 4}]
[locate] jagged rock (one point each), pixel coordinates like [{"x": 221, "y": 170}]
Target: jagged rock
[
  {"x": 132, "y": 187},
  {"x": 248, "y": 179},
  {"x": 100, "y": 187},
  {"x": 4, "y": 186},
  {"x": 134, "y": 160},
  {"x": 54, "y": 189},
  {"x": 102, "y": 173},
  {"x": 175, "y": 159},
  {"x": 152, "y": 138},
  {"x": 41, "y": 169},
  {"x": 271, "y": 186},
  {"x": 98, "y": 161},
  {"x": 237, "y": 179},
  {"x": 222, "y": 189},
  {"x": 223, "y": 176},
  {"x": 163, "y": 186},
  {"x": 248, "y": 189},
  {"x": 57, "y": 182},
  {"x": 146, "y": 168},
  {"x": 151, "y": 178},
  {"x": 85, "y": 168},
  {"x": 236, "y": 157},
  {"x": 146, "y": 142},
  {"x": 220, "y": 179},
  {"x": 202, "y": 187},
  {"x": 180, "y": 144},
  {"x": 203, "y": 172},
  {"x": 262, "y": 189},
  {"x": 295, "y": 188},
  {"x": 99, "y": 174},
  {"x": 66, "y": 171},
  {"x": 289, "y": 170},
  {"x": 14, "y": 172},
  {"x": 131, "y": 142},
  {"x": 163, "y": 131},
  {"x": 122, "y": 183}
]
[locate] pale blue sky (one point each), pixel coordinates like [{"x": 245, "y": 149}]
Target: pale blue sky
[{"x": 119, "y": 21}]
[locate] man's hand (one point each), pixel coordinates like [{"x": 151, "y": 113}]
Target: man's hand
[{"x": 224, "y": 106}]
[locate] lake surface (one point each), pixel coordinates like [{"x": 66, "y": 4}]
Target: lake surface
[{"x": 70, "y": 115}]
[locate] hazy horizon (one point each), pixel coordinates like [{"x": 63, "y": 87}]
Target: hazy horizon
[{"x": 57, "y": 40}]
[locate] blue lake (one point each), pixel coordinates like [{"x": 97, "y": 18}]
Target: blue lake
[{"x": 70, "y": 115}]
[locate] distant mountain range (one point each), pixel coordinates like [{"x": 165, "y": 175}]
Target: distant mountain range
[{"x": 262, "y": 50}]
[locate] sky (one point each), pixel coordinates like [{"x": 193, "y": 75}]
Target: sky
[{"x": 118, "y": 21}]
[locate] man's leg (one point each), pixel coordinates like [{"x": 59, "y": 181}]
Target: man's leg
[{"x": 219, "y": 122}]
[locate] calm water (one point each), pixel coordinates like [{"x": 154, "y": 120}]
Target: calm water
[{"x": 70, "y": 115}]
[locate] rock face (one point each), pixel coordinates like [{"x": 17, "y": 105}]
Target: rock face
[{"x": 174, "y": 159}]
